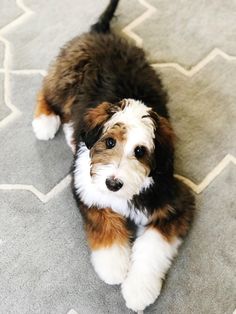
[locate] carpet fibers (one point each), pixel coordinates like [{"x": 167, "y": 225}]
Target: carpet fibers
[{"x": 44, "y": 258}]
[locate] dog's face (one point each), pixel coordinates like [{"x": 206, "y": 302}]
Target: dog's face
[{"x": 123, "y": 140}]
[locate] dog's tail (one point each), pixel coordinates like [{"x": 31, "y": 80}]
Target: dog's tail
[{"x": 103, "y": 23}]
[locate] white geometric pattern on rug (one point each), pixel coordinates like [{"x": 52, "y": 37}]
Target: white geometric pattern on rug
[
  {"x": 72, "y": 312},
  {"x": 129, "y": 30},
  {"x": 7, "y": 61},
  {"x": 198, "y": 26}
]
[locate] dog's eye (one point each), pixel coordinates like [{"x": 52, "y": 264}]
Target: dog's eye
[
  {"x": 139, "y": 151},
  {"x": 110, "y": 142}
]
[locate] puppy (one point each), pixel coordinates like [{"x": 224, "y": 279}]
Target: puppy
[{"x": 113, "y": 109}]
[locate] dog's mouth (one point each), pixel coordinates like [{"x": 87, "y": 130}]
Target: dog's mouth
[{"x": 113, "y": 184}]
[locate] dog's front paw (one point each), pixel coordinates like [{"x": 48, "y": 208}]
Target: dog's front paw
[
  {"x": 140, "y": 291},
  {"x": 112, "y": 263},
  {"x": 46, "y": 126}
]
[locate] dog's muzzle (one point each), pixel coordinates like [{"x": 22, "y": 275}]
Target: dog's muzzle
[{"x": 114, "y": 184}]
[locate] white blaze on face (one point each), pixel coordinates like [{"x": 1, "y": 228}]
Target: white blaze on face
[
  {"x": 133, "y": 173},
  {"x": 91, "y": 195},
  {"x": 140, "y": 130}
]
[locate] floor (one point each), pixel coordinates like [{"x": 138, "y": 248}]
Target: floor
[{"x": 44, "y": 259}]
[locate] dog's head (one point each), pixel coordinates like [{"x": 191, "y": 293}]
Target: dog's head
[{"x": 129, "y": 145}]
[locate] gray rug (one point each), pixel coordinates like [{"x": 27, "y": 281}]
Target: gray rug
[{"x": 44, "y": 259}]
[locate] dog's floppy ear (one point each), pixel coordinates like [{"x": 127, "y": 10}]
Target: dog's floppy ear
[
  {"x": 164, "y": 145},
  {"x": 94, "y": 120}
]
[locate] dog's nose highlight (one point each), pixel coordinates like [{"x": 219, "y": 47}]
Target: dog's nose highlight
[{"x": 114, "y": 184}]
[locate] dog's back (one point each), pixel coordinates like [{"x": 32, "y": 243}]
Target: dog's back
[{"x": 101, "y": 66}]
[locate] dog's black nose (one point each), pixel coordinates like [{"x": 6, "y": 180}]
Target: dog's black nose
[{"x": 114, "y": 184}]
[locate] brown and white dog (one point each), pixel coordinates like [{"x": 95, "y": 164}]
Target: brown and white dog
[{"x": 113, "y": 109}]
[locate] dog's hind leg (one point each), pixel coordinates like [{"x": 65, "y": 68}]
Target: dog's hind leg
[{"x": 46, "y": 122}]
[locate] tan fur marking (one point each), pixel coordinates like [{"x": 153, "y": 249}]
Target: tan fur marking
[
  {"x": 166, "y": 132},
  {"x": 162, "y": 213},
  {"x": 119, "y": 132},
  {"x": 68, "y": 105},
  {"x": 147, "y": 161},
  {"x": 42, "y": 106},
  {"x": 123, "y": 103},
  {"x": 104, "y": 228},
  {"x": 171, "y": 228},
  {"x": 101, "y": 155},
  {"x": 99, "y": 115},
  {"x": 66, "y": 117}
]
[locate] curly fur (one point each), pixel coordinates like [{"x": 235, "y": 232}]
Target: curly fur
[{"x": 104, "y": 87}]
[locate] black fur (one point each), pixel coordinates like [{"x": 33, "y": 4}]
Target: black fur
[
  {"x": 91, "y": 137},
  {"x": 103, "y": 24},
  {"x": 94, "y": 68},
  {"x": 101, "y": 67}
]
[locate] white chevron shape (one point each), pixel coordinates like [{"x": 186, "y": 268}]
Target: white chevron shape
[
  {"x": 198, "y": 188},
  {"x": 43, "y": 197},
  {"x": 128, "y": 30},
  {"x": 26, "y": 72},
  {"x": 200, "y": 65},
  {"x": 20, "y": 19},
  {"x": 72, "y": 311},
  {"x": 15, "y": 112}
]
